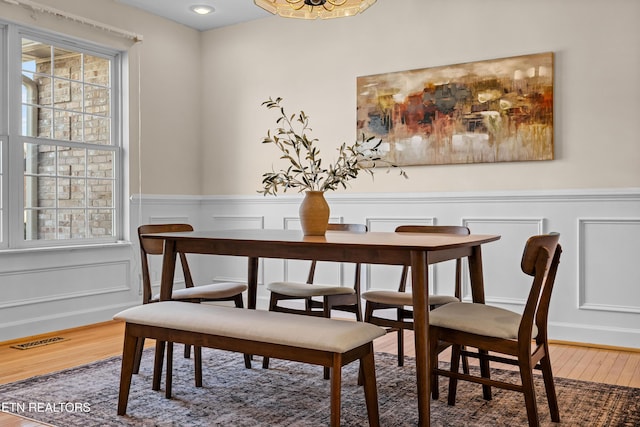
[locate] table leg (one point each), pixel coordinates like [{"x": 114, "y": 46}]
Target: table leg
[
  {"x": 477, "y": 293},
  {"x": 168, "y": 269},
  {"x": 420, "y": 291},
  {"x": 252, "y": 283},
  {"x": 475, "y": 275}
]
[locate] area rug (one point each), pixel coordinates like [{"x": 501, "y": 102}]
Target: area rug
[{"x": 292, "y": 394}]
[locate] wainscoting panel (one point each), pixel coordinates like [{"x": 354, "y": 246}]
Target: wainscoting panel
[
  {"x": 508, "y": 286},
  {"x": 388, "y": 276},
  {"x": 168, "y": 220},
  {"x": 326, "y": 272},
  {"x": 606, "y": 282},
  {"x": 38, "y": 285},
  {"x": 225, "y": 268},
  {"x": 58, "y": 289}
]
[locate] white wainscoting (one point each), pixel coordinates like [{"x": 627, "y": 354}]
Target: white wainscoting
[
  {"x": 596, "y": 299},
  {"x": 597, "y": 294},
  {"x": 55, "y": 289}
]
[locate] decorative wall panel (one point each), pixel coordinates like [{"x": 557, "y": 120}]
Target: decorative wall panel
[{"x": 609, "y": 251}]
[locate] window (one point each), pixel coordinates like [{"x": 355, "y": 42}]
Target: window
[{"x": 68, "y": 139}]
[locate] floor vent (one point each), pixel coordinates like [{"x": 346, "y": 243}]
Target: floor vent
[{"x": 38, "y": 343}]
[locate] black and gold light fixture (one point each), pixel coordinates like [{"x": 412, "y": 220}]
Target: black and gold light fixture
[{"x": 313, "y": 9}]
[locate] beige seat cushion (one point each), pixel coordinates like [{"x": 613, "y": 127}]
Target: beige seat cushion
[
  {"x": 212, "y": 291},
  {"x": 304, "y": 290},
  {"x": 404, "y": 298},
  {"x": 310, "y": 332},
  {"x": 478, "y": 319}
]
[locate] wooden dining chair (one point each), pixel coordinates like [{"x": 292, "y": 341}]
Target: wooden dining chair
[
  {"x": 319, "y": 299},
  {"x": 518, "y": 339},
  {"x": 401, "y": 301},
  {"x": 214, "y": 292}
]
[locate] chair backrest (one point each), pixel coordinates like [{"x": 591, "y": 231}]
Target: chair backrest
[
  {"x": 354, "y": 228},
  {"x": 156, "y": 247},
  {"x": 540, "y": 259},
  {"x": 442, "y": 229}
]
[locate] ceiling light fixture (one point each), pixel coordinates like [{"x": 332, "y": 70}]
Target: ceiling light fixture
[
  {"x": 201, "y": 9},
  {"x": 313, "y": 9}
]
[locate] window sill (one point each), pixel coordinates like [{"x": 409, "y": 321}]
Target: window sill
[{"x": 69, "y": 248}]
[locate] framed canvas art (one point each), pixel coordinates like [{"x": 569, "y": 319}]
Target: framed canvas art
[{"x": 499, "y": 110}]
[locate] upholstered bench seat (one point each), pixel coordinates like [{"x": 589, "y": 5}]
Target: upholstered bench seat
[{"x": 327, "y": 342}]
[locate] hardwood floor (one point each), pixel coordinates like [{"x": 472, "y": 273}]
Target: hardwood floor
[
  {"x": 100, "y": 341},
  {"x": 616, "y": 366}
]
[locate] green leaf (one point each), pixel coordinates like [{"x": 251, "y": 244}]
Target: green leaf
[{"x": 306, "y": 171}]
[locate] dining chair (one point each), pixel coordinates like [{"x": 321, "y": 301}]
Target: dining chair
[
  {"x": 319, "y": 299},
  {"x": 512, "y": 338},
  {"x": 214, "y": 292},
  {"x": 401, "y": 300}
]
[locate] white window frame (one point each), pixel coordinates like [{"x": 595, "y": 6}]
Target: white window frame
[
  {"x": 12, "y": 200},
  {"x": 4, "y": 138}
]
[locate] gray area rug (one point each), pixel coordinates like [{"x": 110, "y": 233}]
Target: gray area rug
[{"x": 292, "y": 394}]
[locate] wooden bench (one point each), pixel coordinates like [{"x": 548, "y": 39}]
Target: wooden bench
[{"x": 315, "y": 340}]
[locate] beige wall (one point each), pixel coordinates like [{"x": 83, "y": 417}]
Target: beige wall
[
  {"x": 200, "y": 93},
  {"x": 166, "y": 102},
  {"x": 314, "y": 65}
]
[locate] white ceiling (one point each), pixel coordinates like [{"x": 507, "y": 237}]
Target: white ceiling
[{"x": 226, "y": 12}]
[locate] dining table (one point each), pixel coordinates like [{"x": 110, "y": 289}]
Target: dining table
[{"x": 417, "y": 250}]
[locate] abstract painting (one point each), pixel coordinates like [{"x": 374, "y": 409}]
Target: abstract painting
[{"x": 498, "y": 110}]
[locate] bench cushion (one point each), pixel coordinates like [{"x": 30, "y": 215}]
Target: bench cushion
[{"x": 317, "y": 333}]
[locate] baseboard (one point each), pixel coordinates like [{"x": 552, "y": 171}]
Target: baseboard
[{"x": 47, "y": 325}]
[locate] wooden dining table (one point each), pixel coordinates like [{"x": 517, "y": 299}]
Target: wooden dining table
[{"x": 417, "y": 250}]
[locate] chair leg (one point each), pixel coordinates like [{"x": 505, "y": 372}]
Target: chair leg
[
  {"x": 453, "y": 382},
  {"x": 247, "y": 357},
  {"x": 157, "y": 365},
  {"x": 187, "y": 351},
  {"x": 433, "y": 357},
  {"x": 131, "y": 344},
  {"x": 326, "y": 311},
  {"x": 308, "y": 305},
  {"x": 528, "y": 388},
  {"x": 138, "y": 356},
  {"x": 550, "y": 388},
  {"x": 197, "y": 361},
  {"x": 326, "y": 307},
  {"x": 336, "y": 383},
  {"x": 400, "y": 347},
  {"x": 169, "y": 379},
  {"x": 358, "y": 310},
  {"x": 368, "y": 312},
  {"x": 485, "y": 373},
  {"x": 272, "y": 306},
  {"x": 368, "y": 373},
  {"x": 465, "y": 362},
  {"x": 273, "y": 302}
]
